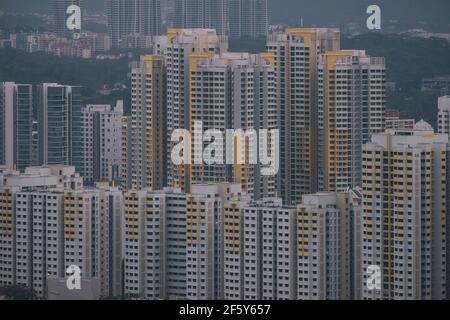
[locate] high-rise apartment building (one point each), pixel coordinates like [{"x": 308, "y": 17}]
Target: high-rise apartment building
[
  {"x": 51, "y": 222},
  {"x": 10, "y": 185},
  {"x": 132, "y": 17},
  {"x": 34, "y": 143},
  {"x": 60, "y": 125},
  {"x": 16, "y": 121},
  {"x": 326, "y": 245},
  {"x": 296, "y": 60},
  {"x": 205, "y": 239},
  {"x": 352, "y": 102},
  {"x": 102, "y": 143},
  {"x": 233, "y": 91},
  {"x": 211, "y": 14},
  {"x": 148, "y": 123},
  {"x": 39, "y": 238},
  {"x": 443, "y": 120},
  {"x": 125, "y": 182},
  {"x": 262, "y": 265},
  {"x": 155, "y": 244},
  {"x": 404, "y": 227},
  {"x": 248, "y": 18},
  {"x": 233, "y": 246},
  {"x": 177, "y": 47},
  {"x": 29, "y": 222},
  {"x": 93, "y": 235},
  {"x": 60, "y": 16},
  {"x": 276, "y": 252}
]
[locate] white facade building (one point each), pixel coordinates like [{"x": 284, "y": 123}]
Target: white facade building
[
  {"x": 102, "y": 142},
  {"x": 296, "y": 60},
  {"x": 326, "y": 245},
  {"x": 444, "y": 115},
  {"x": 93, "y": 235},
  {"x": 30, "y": 229},
  {"x": 352, "y": 102},
  {"x": 177, "y": 47},
  {"x": 16, "y": 121},
  {"x": 155, "y": 244},
  {"x": 404, "y": 226},
  {"x": 205, "y": 239},
  {"x": 234, "y": 91},
  {"x": 211, "y": 14}
]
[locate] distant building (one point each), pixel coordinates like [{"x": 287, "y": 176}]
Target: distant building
[
  {"x": 437, "y": 85},
  {"x": 391, "y": 86},
  {"x": 132, "y": 17},
  {"x": 168, "y": 12},
  {"x": 60, "y": 16},
  {"x": 84, "y": 46},
  {"x": 248, "y": 18},
  {"x": 421, "y": 33},
  {"x": 210, "y": 14},
  {"x": 60, "y": 125},
  {"x": 393, "y": 121},
  {"x": 16, "y": 125},
  {"x": 136, "y": 41},
  {"x": 102, "y": 142}
]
